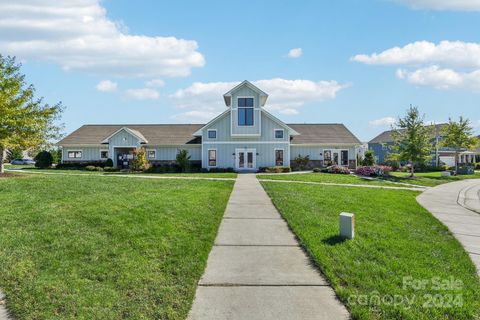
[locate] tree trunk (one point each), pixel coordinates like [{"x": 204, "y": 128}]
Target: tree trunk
[
  {"x": 2, "y": 156},
  {"x": 456, "y": 163},
  {"x": 412, "y": 170}
]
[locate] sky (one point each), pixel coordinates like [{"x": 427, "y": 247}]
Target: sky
[{"x": 357, "y": 62}]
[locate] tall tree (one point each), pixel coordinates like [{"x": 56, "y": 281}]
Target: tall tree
[
  {"x": 25, "y": 121},
  {"x": 412, "y": 139},
  {"x": 459, "y": 137}
]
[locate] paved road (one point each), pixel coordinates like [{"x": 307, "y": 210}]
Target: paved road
[
  {"x": 256, "y": 269},
  {"x": 457, "y": 205}
]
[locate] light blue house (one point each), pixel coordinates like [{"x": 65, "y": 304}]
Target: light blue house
[{"x": 244, "y": 137}]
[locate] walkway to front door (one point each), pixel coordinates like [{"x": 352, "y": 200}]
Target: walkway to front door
[{"x": 257, "y": 270}]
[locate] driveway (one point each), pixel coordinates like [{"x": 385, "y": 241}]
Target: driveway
[{"x": 457, "y": 205}]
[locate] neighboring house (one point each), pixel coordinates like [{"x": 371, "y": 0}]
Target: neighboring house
[
  {"x": 244, "y": 137},
  {"x": 382, "y": 145}
]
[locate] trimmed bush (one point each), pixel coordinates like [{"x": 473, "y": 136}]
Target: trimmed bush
[
  {"x": 373, "y": 171},
  {"x": 80, "y": 165},
  {"x": 109, "y": 163},
  {"x": 43, "y": 160},
  {"x": 337, "y": 169},
  {"x": 93, "y": 168},
  {"x": 110, "y": 169},
  {"x": 277, "y": 169}
]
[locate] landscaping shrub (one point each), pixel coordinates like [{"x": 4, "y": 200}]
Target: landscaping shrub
[
  {"x": 183, "y": 160},
  {"x": 221, "y": 170},
  {"x": 337, "y": 169},
  {"x": 110, "y": 169},
  {"x": 369, "y": 158},
  {"x": 93, "y": 168},
  {"x": 317, "y": 169},
  {"x": 393, "y": 163},
  {"x": 301, "y": 163},
  {"x": 140, "y": 162},
  {"x": 477, "y": 166},
  {"x": 43, "y": 160},
  {"x": 373, "y": 171},
  {"x": 80, "y": 165},
  {"x": 109, "y": 163},
  {"x": 277, "y": 169}
]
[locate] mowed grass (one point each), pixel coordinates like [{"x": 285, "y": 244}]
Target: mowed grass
[
  {"x": 105, "y": 248},
  {"x": 325, "y": 178},
  {"x": 429, "y": 179},
  {"x": 395, "y": 238},
  {"x": 77, "y": 171}
]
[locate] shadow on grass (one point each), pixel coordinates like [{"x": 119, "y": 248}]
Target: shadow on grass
[{"x": 334, "y": 240}]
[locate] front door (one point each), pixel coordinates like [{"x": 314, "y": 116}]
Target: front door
[{"x": 246, "y": 159}]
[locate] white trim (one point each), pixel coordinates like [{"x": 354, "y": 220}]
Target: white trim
[
  {"x": 208, "y": 157},
  {"x": 216, "y": 134},
  {"x": 150, "y": 150},
  {"x": 200, "y": 131},
  {"x": 228, "y": 95},
  {"x": 275, "y": 156},
  {"x": 75, "y": 150},
  {"x": 104, "y": 150},
  {"x": 247, "y": 142},
  {"x": 253, "y": 111},
  {"x": 275, "y": 133},
  {"x": 280, "y": 122}
]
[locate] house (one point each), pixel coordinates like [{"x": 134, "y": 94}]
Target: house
[
  {"x": 245, "y": 137},
  {"x": 382, "y": 145}
]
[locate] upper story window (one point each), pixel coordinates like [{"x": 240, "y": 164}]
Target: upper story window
[
  {"x": 245, "y": 111},
  {"x": 212, "y": 134},
  {"x": 74, "y": 154},
  {"x": 278, "y": 133}
]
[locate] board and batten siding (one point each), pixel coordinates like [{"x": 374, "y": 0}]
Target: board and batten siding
[
  {"x": 265, "y": 153},
  {"x": 314, "y": 151},
  {"x": 222, "y": 126},
  {"x": 88, "y": 153},
  {"x": 169, "y": 153},
  {"x": 123, "y": 139}
]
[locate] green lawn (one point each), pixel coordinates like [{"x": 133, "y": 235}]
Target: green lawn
[
  {"x": 325, "y": 177},
  {"x": 395, "y": 238},
  {"x": 428, "y": 178},
  {"x": 76, "y": 171},
  {"x": 90, "y": 248}
]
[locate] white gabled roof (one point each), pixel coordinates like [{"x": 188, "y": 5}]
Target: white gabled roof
[
  {"x": 137, "y": 134},
  {"x": 228, "y": 96}
]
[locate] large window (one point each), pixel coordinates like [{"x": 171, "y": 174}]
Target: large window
[
  {"x": 279, "y": 157},
  {"x": 245, "y": 111},
  {"x": 212, "y": 158},
  {"x": 74, "y": 154},
  {"x": 103, "y": 154}
]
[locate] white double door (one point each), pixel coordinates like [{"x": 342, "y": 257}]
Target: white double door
[{"x": 245, "y": 159}]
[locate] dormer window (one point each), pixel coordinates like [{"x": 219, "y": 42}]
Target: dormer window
[
  {"x": 279, "y": 133},
  {"x": 212, "y": 134},
  {"x": 245, "y": 111}
]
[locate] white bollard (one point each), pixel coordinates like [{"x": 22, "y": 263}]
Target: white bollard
[{"x": 347, "y": 225}]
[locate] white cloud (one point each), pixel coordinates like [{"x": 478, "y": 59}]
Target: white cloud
[
  {"x": 106, "y": 86},
  {"x": 446, "y": 53},
  {"x": 155, "y": 83},
  {"x": 142, "y": 94},
  {"x": 383, "y": 122},
  {"x": 447, "y": 65},
  {"x": 295, "y": 53},
  {"x": 78, "y": 35},
  {"x": 454, "y": 5},
  {"x": 443, "y": 79},
  {"x": 285, "y": 96}
]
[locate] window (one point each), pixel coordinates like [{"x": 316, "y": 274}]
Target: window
[
  {"x": 103, "y": 154},
  {"x": 212, "y": 158},
  {"x": 327, "y": 155},
  {"x": 384, "y": 147},
  {"x": 151, "y": 154},
  {"x": 212, "y": 134},
  {"x": 279, "y": 157},
  {"x": 245, "y": 111},
  {"x": 344, "y": 157},
  {"x": 75, "y": 154},
  {"x": 278, "y": 133}
]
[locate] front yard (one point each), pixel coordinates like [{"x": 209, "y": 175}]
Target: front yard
[
  {"x": 429, "y": 179},
  {"x": 90, "y": 248},
  {"x": 396, "y": 241}
]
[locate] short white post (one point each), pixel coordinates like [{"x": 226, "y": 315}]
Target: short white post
[{"x": 347, "y": 225}]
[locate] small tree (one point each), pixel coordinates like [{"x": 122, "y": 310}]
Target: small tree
[
  {"x": 183, "y": 160},
  {"x": 412, "y": 139},
  {"x": 302, "y": 162},
  {"x": 369, "y": 158},
  {"x": 140, "y": 161},
  {"x": 25, "y": 122},
  {"x": 43, "y": 160},
  {"x": 56, "y": 155},
  {"x": 109, "y": 163},
  {"x": 458, "y": 136}
]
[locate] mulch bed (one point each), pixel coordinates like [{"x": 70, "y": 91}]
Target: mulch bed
[{"x": 7, "y": 175}]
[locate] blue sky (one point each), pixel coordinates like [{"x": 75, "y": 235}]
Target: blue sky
[{"x": 119, "y": 61}]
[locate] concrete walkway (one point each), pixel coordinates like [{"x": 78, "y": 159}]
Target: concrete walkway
[
  {"x": 256, "y": 269},
  {"x": 457, "y": 205}
]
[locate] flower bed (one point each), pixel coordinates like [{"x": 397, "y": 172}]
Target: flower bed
[{"x": 373, "y": 171}]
